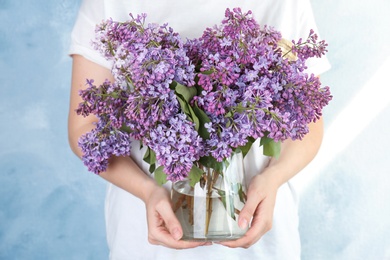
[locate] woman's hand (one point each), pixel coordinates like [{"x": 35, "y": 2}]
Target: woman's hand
[
  {"x": 294, "y": 156},
  {"x": 163, "y": 227},
  {"x": 260, "y": 205}
]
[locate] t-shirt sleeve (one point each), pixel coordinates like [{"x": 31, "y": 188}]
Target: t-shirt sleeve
[
  {"x": 90, "y": 14},
  {"x": 307, "y": 22}
]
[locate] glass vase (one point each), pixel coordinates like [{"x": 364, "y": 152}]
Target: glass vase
[{"x": 209, "y": 210}]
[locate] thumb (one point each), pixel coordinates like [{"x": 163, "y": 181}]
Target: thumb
[
  {"x": 247, "y": 212},
  {"x": 171, "y": 222}
]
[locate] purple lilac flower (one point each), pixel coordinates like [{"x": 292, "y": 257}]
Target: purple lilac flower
[
  {"x": 310, "y": 48},
  {"x": 272, "y": 95},
  {"x": 146, "y": 57},
  {"x": 107, "y": 99},
  {"x": 145, "y": 113},
  {"x": 146, "y": 61},
  {"x": 100, "y": 144},
  {"x": 177, "y": 146},
  {"x": 246, "y": 85},
  {"x": 238, "y": 56}
]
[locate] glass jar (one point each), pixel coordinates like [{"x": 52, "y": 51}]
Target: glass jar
[{"x": 209, "y": 210}]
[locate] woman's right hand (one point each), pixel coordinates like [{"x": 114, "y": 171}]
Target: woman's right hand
[{"x": 163, "y": 226}]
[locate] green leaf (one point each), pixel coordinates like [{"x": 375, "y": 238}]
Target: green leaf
[
  {"x": 228, "y": 123},
  {"x": 194, "y": 118},
  {"x": 152, "y": 168},
  {"x": 207, "y": 72},
  {"x": 125, "y": 128},
  {"x": 195, "y": 175},
  {"x": 150, "y": 158},
  {"x": 194, "y": 113},
  {"x": 183, "y": 105},
  {"x": 265, "y": 140},
  {"x": 187, "y": 109},
  {"x": 147, "y": 155},
  {"x": 245, "y": 149},
  {"x": 186, "y": 92},
  {"x": 203, "y": 119},
  {"x": 199, "y": 88},
  {"x": 241, "y": 194},
  {"x": 211, "y": 162},
  {"x": 270, "y": 147},
  {"x": 160, "y": 176},
  {"x": 114, "y": 94},
  {"x": 230, "y": 209},
  {"x": 173, "y": 85},
  {"x": 229, "y": 114}
]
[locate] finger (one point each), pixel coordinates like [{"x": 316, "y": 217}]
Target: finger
[
  {"x": 250, "y": 237},
  {"x": 244, "y": 218},
  {"x": 169, "y": 232},
  {"x": 248, "y": 210},
  {"x": 172, "y": 224},
  {"x": 164, "y": 238},
  {"x": 261, "y": 223}
]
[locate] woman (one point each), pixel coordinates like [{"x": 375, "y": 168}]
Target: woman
[{"x": 138, "y": 211}]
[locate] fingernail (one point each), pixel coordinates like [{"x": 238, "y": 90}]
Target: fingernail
[
  {"x": 243, "y": 223},
  {"x": 176, "y": 234}
]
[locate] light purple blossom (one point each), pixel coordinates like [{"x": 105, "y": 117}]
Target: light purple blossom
[
  {"x": 102, "y": 143},
  {"x": 243, "y": 82},
  {"x": 177, "y": 146}
]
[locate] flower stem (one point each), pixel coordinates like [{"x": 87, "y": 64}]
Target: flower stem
[
  {"x": 179, "y": 202},
  {"x": 190, "y": 204},
  {"x": 208, "y": 202},
  {"x": 212, "y": 176}
]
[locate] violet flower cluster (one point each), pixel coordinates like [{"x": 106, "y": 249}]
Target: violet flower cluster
[{"x": 199, "y": 98}]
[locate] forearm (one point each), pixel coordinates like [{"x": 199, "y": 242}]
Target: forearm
[
  {"x": 125, "y": 173},
  {"x": 295, "y": 155}
]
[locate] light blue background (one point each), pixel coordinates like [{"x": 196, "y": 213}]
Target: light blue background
[{"x": 52, "y": 208}]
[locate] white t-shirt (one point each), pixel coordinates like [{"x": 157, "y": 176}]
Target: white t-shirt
[{"x": 125, "y": 214}]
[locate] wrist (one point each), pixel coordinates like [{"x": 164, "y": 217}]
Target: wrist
[
  {"x": 148, "y": 186},
  {"x": 274, "y": 176}
]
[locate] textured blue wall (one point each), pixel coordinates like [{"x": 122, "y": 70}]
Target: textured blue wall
[
  {"x": 52, "y": 208},
  {"x": 345, "y": 207}
]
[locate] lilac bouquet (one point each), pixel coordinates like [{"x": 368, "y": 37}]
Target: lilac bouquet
[{"x": 199, "y": 100}]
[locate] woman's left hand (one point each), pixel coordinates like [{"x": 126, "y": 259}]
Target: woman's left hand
[
  {"x": 294, "y": 156},
  {"x": 260, "y": 205}
]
